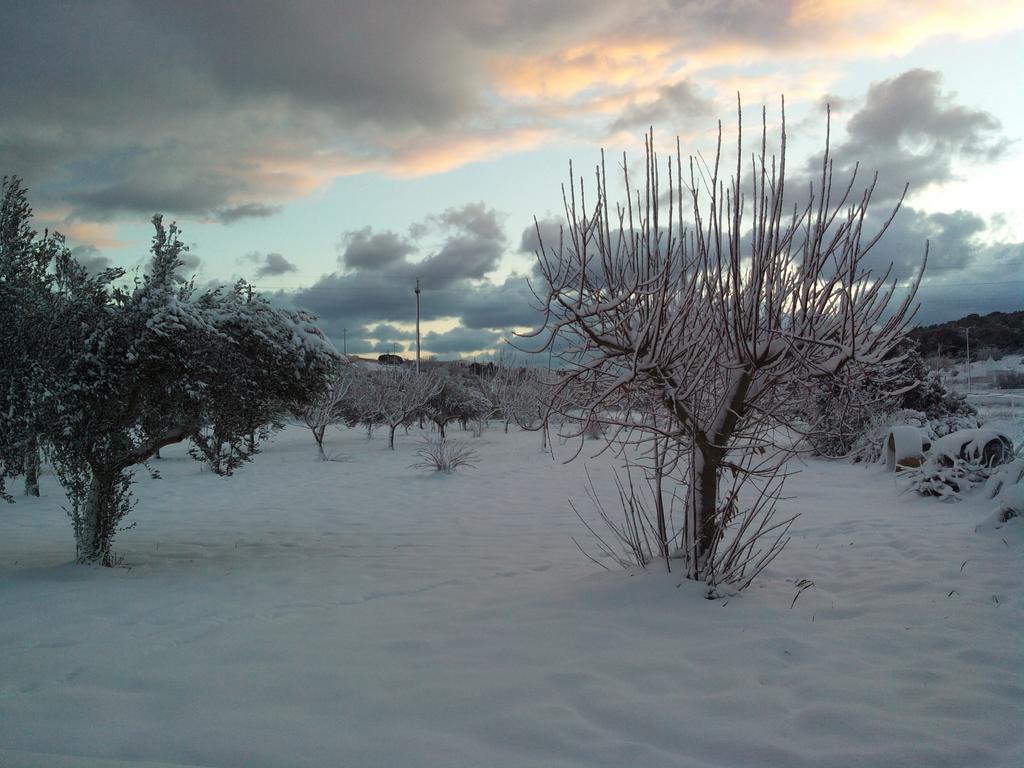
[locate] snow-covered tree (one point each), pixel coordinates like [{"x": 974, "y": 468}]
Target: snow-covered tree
[
  {"x": 142, "y": 368},
  {"x": 328, "y": 407},
  {"x": 455, "y": 400},
  {"x": 395, "y": 397},
  {"x": 32, "y": 362},
  {"x": 513, "y": 393},
  {"x": 719, "y": 319}
]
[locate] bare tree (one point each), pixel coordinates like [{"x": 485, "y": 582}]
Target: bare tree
[
  {"x": 719, "y": 320},
  {"x": 327, "y": 409},
  {"x": 394, "y": 396}
]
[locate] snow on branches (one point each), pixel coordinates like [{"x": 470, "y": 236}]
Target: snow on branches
[
  {"x": 111, "y": 374},
  {"x": 719, "y": 319}
]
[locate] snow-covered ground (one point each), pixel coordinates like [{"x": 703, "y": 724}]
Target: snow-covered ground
[{"x": 361, "y": 613}]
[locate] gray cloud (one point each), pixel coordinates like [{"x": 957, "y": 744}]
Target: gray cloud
[
  {"x": 229, "y": 215},
  {"x": 126, "y": 108},
  {"x": 90, "y": 257},
  {"x": 389, "y": 333},
  {"x": 676, "y": 105},
  {"x": 953, "y": 238},
  {"x": 473, "y": 242},
  {"x": 460, "y": 340},
  {"x": 272, "y": 264},
  {"x": 550, "y": 230},
  {"x": 366, "y": 249},
  {"x": 190, "y": 261},
  {"x": 912, "y": 132},
  {"x": 145, "y": 182},
  {"x": 375, "y": 290},
  {"x": 985, "y": 286}
]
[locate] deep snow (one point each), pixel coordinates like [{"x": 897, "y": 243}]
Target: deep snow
[{"x": 361, "y": 613}]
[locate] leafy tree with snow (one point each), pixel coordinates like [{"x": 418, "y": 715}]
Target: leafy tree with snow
[
  {"x": 31, "y": 359},
  {"x": 122, "y": 372}
]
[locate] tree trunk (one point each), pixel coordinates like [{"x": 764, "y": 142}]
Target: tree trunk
[
  {"x": 391, "y": 437},
  {"x": 97, "y": 523},
  {"x": 702, "y": 524},
  {"x": 659, "y": 502},
  {"x": 440, "y": 428},
  {"x": 318, "y": 435},
  {"x": 31, "y": 468}
]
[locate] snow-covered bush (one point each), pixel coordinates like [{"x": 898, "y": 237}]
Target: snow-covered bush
[
  {"x": 1006, "y": 488},
  {"x": 444, "y": 455},
  {"x": 959, "y": 462},
  {"x": 850, "y": 415},
  {"x": 868, "y": 446},
  {"x": 841, "y": 410},
  {"x": 1007, "y": 476},
  {"x": 933, "y": 399}
]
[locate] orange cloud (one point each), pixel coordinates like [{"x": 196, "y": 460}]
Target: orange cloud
[
  {"x": 103, "y": 236},
  {"x": 882, "y": 27},
  {"x": 439, "y": 154},
  {"x": 610, "y": 72},
  {"x": 407, "y": 157},
  {"x": 595, "y": 64}
]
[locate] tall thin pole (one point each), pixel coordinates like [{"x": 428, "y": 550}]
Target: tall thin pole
[
  {"x": 417, "y": 325},
  {"x": 252, "y": 432},
  {"x": 344, "y": 341},
  {"x": 968, "y": 332}
]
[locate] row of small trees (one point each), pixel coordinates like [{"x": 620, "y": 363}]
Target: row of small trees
[
  {"x": 100, "y": 373},
  {"x": 393, "y": 397}
]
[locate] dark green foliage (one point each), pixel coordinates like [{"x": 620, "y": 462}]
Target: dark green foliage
[
  {"x": 1002, "y": 332},
  {"x": 104, "y": 375},
  {"x": 456, "y": 400},
  {"x": 843, "y": 409}
]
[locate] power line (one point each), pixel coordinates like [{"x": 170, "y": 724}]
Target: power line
[{"x": 923, "y": 287}]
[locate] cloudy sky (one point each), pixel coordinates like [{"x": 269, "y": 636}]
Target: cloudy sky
[{"x": 335, "y": 152}]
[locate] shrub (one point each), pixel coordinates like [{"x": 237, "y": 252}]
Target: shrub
[
  {"x": 959, "y": 462},
  {"x": 442, "y": 455}
]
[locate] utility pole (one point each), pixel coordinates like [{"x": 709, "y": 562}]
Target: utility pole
[
  {"x": 417, "y": 325},
  {"x": 344, "y": 341},
  {"x": 252, "y": 432},
  {"x": 968, "y": 332}
]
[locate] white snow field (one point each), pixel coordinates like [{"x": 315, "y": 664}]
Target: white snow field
[{"x": 362, "y": 613}]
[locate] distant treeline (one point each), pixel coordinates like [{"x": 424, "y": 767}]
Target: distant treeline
[{"x": 998, "y": 333}]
